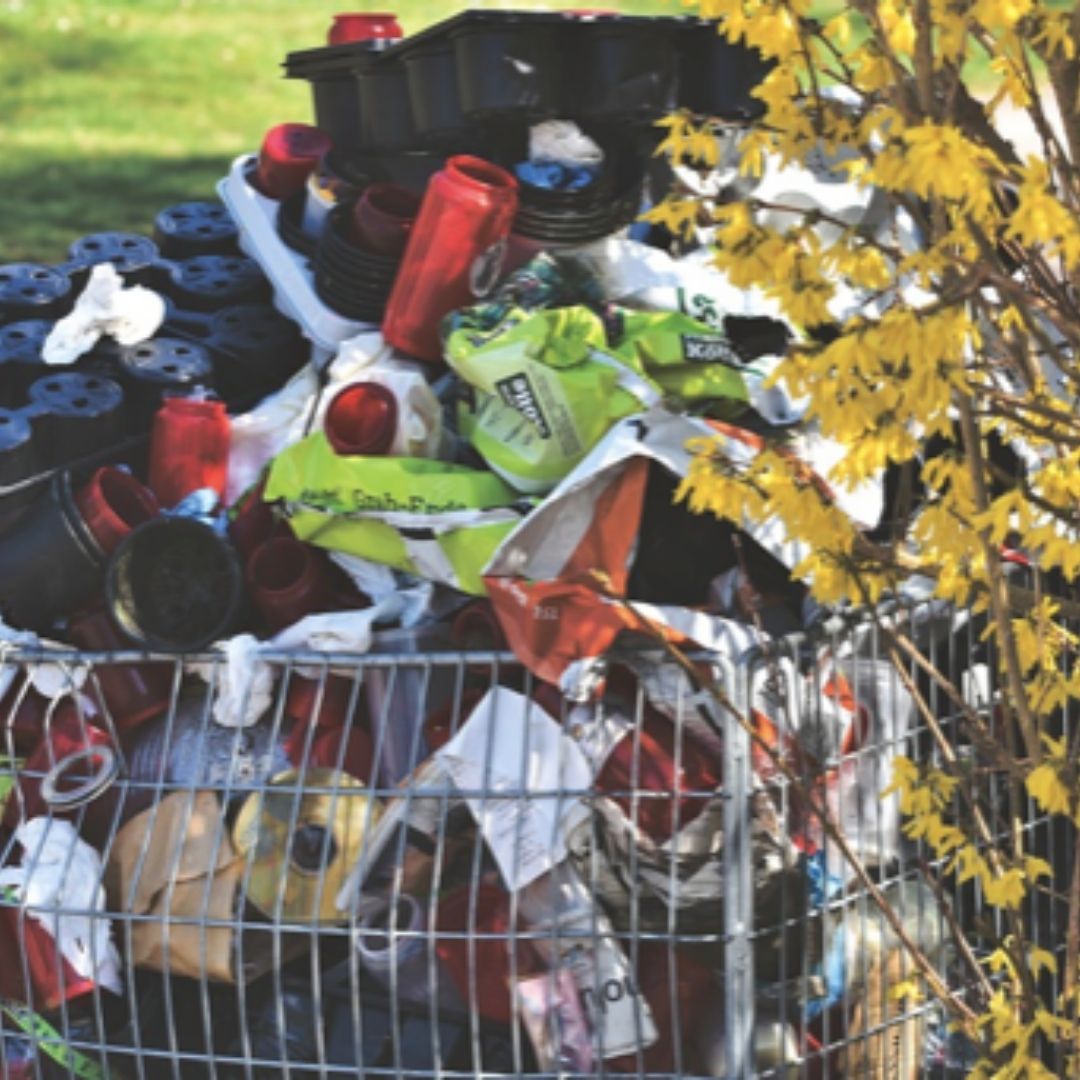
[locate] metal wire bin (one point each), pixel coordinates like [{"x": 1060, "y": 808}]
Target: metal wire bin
[{"x": 430, "y": 865}]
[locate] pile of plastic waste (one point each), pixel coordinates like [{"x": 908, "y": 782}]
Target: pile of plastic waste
[{"x": 421, "y": 384}]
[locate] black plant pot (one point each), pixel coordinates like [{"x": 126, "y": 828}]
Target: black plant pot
[
  {"x": 353, "y": 282},
  {"x": 508, "y": 67},
  {"x": 49, "y": 562},
  {"x": 32, "y": 291},
  {"x": 158, "y": 367},
  {"x": 133, "y": 256},
  {"x": 195, "y": 228},
  {"x": 433, "y": 90},
  {"x": 622, "y": 70},
  {"x": 20, "y": 358},
  {"x": 211, "y": 282},
  {"x": 76, "y": 414},
  {"x": 716, "y": 78},
  {"x": 290, "y": 220},
  {"x": 174, "y": 585},
  {"x": 385, "y": 109}
]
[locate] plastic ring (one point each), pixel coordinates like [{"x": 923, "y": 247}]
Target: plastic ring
[{"x": 89, "y": 789}]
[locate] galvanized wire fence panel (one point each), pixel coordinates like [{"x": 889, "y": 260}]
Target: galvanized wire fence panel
[{"x": 431, "y": 865}]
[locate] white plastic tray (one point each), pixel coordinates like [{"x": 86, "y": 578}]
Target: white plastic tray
[{"x": 289, "y": 271}]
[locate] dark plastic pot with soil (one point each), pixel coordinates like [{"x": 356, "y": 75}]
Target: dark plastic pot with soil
[{"x": 174, "y": 586}]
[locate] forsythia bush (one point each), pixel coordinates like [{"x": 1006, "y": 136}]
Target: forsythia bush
[{"x": 966, "y": 339}]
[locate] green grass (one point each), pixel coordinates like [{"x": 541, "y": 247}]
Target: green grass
[{"x": 112, "y": 109}]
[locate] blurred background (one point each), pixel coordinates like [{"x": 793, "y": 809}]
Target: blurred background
[{"x": 112, "y": 109}]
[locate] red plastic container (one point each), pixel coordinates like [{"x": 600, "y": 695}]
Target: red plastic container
[
  {"x": 357, "y": 26},
  {"x": 189, "y": 448},
  {"x": 130, "y": 693},
  {"x": 650, "y": 767},
  {"x": 288, "y": 580},
  {"x": 454, "y": 254},
  {"x": 288, "y": 156},
  {"x": 362, "y": 419},
  {"x": 112, "y": 503},
  {"x": 383, "y": 217}
]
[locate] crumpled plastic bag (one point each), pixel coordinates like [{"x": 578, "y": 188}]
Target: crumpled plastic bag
[
  {"x": 546, "y": 389},
  {"x": 60, "y": 871},
  {"x": 433, "y": 519},
  {"x": 245, "y": 684},
  {"x": 105, "y": 306}
]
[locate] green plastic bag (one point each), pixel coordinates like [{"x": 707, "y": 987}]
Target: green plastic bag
[
  {"x": 546, "y": 389},
  {"x": 437, "y": 520},
  {"x": 688, "y": 359}
]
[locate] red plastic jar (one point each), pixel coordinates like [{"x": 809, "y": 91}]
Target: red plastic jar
[
  {"x": 189, "y": 448},
  {"x": 454, "y": 254},
  {"x": 288, "y": 156},
  {"x": 358, "y": 26},
  {"x": 383, "y": 217},
  {"x": 362, "y": 419},
  {"x": 112, "y": 503}
]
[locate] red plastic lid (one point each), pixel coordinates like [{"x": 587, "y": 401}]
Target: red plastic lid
[
  {"x": 112, "y": 503},
  {"x": 362, "y": 419},
  {"x": 361, "y": 26}
]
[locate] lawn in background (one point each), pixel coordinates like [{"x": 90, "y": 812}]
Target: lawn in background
[{"x": 112, "y": 109}]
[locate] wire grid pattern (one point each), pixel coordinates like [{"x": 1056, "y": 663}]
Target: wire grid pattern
[{"x": 683, "y": 974}]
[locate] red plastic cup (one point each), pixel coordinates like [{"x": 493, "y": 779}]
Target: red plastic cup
[
  {"x": 129, "y": 693},
  {"x": 288, "y": 580},
  {"x": 362, "y": 419},
  {"x": 112, "y": 503},
  {"x": 357, "y": 26},
  {"x": 325, "y": 703},
  {"x": 454, "y": 254},
  {"x": 382, "y": 218},
  {"x": 288, "y": 156},
  {"x": 189, "y": 448}
]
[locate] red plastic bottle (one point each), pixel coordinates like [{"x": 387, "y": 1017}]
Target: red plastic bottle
[
  {"x": 189, "y": 448},
  {"x": 362, "y": 419},
  {"x": 357, "y": 26},
  {"x": 454, "y": 253}
]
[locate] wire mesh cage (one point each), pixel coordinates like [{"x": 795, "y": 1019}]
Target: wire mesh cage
[{"x": 430, "y": 864}]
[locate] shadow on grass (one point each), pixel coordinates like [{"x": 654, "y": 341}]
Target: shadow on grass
[{"x": 51, "y": 201}]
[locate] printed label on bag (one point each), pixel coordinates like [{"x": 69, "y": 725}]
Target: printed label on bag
[
  {"x": 706, "y": 349},
  {"x": 516, "y": 391}
]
